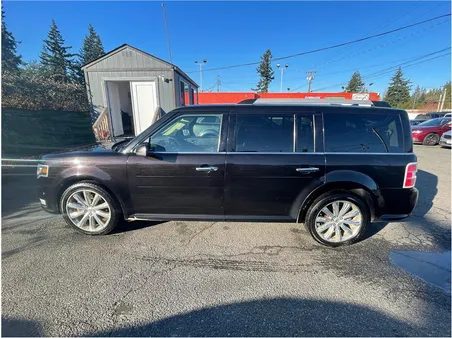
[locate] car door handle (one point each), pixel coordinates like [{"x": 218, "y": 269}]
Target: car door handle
[
  {"x": 307, "y": 170},
  {"x": 206, "y": 169}
]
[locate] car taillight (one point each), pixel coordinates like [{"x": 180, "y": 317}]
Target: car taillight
[{"x": 410, "y": 175}]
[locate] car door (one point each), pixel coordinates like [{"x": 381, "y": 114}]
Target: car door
[
  {"x": 183, "y": 174},
  {"x": 274, "y": 160}
]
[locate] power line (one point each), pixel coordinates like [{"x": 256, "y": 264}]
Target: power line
[
  {"x": 385, "y": 24},
  {"x": 405, "y": 37},
  {"x": 333, "y": 46},
  {"x": 384, "y": 69},
  {"x": 383, "y": 72},
  {"x": 382, "y": 64}
]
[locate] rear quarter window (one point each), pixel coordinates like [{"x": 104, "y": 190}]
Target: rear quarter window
[{"x": 366, "y": 132}]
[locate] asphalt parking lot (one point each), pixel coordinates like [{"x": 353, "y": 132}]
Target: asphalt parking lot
[{"x": 222, "y": 279}]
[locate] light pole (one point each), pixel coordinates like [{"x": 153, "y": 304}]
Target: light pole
[
  {"x": 200, "y": 64},
  {"x": 282, "y": 73}
]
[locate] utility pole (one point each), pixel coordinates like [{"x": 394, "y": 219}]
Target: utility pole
[
  {"x": 310, "y": 78},
  {"x": 167, "y": 34},
  {"x": 218, "y": 83},
  {"x": 200, "y": 64},
  {"x": 444, "y": 99},
  {"x": 282, "y": 74},
  {"x": 439, "y": 101}
]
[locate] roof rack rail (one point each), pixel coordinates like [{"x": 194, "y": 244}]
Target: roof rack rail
[
  {"x": 328, "y": 101},
  {"x": 247, "y": 101},
  {"x": 341, "y": 102},
  {"x": 381, "y": 104}
]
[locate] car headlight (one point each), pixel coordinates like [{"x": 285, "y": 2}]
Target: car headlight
[
  {"x": 42, "y": 171},
  {"x": 416, "y": 131}
]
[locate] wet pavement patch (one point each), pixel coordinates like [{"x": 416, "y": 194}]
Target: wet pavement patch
[{"x": 431, "y": 267}]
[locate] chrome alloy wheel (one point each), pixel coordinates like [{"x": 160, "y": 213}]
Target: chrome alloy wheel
[
  {"x": 338, "y": 221},
  {"x": 88, "y": 210}
]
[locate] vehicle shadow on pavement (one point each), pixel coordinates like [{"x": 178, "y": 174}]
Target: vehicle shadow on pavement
[
  {"x": 274, "y": 318},
  {"x": 426, "y": 219},
  {"x": 18, "y": 190},
  {"x": 427, "y": 184},
  {"x": 125, "y": 226},
  {"x": 20, "y": 328}
]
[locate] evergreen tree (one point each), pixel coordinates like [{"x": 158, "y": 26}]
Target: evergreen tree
[
  {"x": 55, "y": 56},
  {"x": 92, "y": 49},
  {"x": 356, "y": 84},
  {"x": 265, "y": 72},
  {"x": 398, "y": 94},
  {"x": 418, "y": 97},
  {"x": 10, "y": 60},
  {"x": 92, "y": 46}
]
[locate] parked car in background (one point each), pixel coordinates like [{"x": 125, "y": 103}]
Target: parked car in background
[
  {"x": 428, "y": 116},
  {"x": 332, "y": 166},
  {"x": 415, "y": 122},
  {"x": 429, "y": 132},
  {"x": 448, "y": 115},
  {"x": 445, "y": 140}
]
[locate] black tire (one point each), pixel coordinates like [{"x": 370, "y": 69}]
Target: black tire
[
  {"x": 431, "y": 139},
  {"x": 115, "y": 215},
  {"x": 326, "y": 199}
]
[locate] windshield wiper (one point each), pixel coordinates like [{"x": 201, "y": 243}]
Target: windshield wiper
[{"x": 381, "y": 139}]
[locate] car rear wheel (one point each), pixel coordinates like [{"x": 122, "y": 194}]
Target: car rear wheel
[
  {"x": 431, "y": 140},
  {"x": 336, "y": 219},
  {"x": 89, "y": 209}
]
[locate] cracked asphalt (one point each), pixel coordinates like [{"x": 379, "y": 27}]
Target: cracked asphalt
[{"x": 221, "y": 279}]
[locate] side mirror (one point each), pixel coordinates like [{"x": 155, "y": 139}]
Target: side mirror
[{"x": 143, "y": 150}]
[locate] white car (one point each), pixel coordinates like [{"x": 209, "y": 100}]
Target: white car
[
  {"x": 448, "y": 115},
  {"x": 445, "y": 140}
]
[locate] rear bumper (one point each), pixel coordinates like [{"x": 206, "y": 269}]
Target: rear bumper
[{"x": 398, "y": 203}]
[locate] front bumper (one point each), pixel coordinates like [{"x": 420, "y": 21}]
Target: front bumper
[
  {"x": 445, "y": 142},
  {"x": 47, "y": 196}
]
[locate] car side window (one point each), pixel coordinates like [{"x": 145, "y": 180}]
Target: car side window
[
  {"x": 264, "y": 133},
  {"x": 189, "y": 133},
  {"x": 305, "y": 134},
  {"x": 363, "y": 132}
]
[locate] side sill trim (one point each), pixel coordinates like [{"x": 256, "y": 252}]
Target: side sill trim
[{"x": 170, "y": 217}]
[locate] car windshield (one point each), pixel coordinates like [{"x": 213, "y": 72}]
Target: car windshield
[{"x": 435, "y": 122}]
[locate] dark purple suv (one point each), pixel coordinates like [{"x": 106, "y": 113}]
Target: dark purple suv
[{"x": 334, "y": 167}]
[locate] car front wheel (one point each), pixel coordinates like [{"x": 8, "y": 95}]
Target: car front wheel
[
  {"x": 89, "y": 209},
  {"x": 336, "y": 219}
]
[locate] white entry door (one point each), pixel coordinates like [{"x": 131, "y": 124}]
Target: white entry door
[
  {"x": 144, "y": 102},
  {"x": 114, "y": 105}
]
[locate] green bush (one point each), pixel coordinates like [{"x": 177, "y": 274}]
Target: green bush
[{"x": 26, "y": 90}]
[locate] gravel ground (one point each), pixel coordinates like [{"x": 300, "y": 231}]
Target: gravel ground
[{"x": 221, "y": 279}]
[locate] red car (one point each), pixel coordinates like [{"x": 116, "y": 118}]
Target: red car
[{"x": 429, "y": 132}]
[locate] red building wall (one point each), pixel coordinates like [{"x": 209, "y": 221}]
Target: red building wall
[{"x": 218, "y": 98}]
